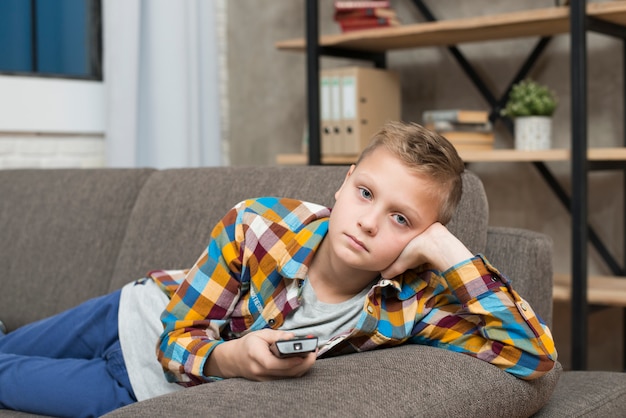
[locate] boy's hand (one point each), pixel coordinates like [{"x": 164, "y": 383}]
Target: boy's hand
[
  {"x": 250, "y": 357},
  {"x": 436, "y": 246}
]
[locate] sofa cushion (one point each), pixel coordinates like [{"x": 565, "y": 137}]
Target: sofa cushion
[
  {"x": 588, "y": 393},
  {"x": 176, "y": 210},
  {"x": 5, "y": 413},
  {"x": 398, "y": 382},
  {"x": 471, "y": 218},
  {"x": 61, "y": 233}
]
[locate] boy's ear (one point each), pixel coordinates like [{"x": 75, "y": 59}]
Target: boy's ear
[{"x": 348, "y": 174}]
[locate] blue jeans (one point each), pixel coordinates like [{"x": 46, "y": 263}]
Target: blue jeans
[{"x": 70, "y": 364}]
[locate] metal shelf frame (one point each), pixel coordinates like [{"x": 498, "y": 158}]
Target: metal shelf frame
[{"x": 582, "y": 233}]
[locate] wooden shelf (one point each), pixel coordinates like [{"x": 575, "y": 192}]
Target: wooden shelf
[
  {"x": 601, "y": 290},
  {"x": 606, "y": 154},
  {"x": 536, "y": 22},
  {"x": 497, "y": 155},
  {"x": 511, "y": 155},
  {"x": 302, "y": 159}
]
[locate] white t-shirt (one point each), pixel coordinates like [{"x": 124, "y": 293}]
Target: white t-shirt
[
  {"x": 139, "y": 327},
  {"x": 324, "y": 320}
]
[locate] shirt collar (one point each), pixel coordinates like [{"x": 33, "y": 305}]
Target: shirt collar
[{"x": 407, "y": 284}]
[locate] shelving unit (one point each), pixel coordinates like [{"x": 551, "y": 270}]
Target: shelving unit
[
  {"x": 607, "y": 17},
  {"x": 527, "y": 23}
]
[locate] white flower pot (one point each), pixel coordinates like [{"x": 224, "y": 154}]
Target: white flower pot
[{"x": 533, "y": 133}]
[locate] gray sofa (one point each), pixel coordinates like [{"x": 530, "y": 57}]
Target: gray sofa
[{"x": 68, "y": 235}]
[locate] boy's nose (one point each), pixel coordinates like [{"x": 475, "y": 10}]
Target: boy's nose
[{"x": 367, "y": 222}]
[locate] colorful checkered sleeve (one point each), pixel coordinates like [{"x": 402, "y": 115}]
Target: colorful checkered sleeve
[
  {"x": 484, "y": 317},
  {"x": 209, "y": 292},
  {"x": 238, "y": 282}
]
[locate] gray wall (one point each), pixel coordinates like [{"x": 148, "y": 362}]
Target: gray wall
[{"x": 267, "y": 114}]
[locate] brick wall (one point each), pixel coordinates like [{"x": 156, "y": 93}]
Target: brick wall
[{"x": 22, "y": 150}]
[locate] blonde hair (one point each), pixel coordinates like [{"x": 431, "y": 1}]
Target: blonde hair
[{"x": 426, "y": 153}]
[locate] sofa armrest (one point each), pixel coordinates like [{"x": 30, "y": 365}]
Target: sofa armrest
[{"x": 525, "y": 257}]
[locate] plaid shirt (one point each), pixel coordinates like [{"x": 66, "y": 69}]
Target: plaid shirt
[{"x": 249, "y": 278}]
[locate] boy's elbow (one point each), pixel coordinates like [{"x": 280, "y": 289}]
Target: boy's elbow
[{"x": 542, "y": 366}]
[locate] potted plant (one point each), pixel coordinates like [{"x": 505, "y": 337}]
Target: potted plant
[{"x": 531, "y": 106}]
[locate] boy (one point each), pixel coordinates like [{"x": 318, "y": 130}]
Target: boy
[
  {"x": 379, "y": 270},
  {"x": 270, "y": 261}
]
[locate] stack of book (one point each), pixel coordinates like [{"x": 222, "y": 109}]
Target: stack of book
[
  {"x": 364, "y": 14},
  {"x": 468, "y": 130}
]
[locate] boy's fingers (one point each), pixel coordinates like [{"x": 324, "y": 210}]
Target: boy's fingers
[{"x": 272, "y": 335}]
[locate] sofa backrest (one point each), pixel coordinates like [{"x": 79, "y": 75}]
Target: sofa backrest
[
  {"x": 60, "y": 234},
  {"x": 177, "y": 209},
  {"x": 69, "y": 235}
]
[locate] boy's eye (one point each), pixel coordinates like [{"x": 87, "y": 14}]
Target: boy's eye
[
  {"x": 365, "y": 193},
  {"x": 401, "y": 219}
]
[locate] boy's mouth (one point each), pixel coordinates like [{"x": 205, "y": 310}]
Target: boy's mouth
[{"x": 357, "y": 243}]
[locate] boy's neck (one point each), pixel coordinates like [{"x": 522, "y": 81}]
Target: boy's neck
[{"x": 335, "y": 282}]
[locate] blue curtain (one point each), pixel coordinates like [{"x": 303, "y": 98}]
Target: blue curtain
[{"x": 49, "y": 37}]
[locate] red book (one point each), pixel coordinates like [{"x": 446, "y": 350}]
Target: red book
[
  {"x": 365, "y": 23},
  {"x": 361, "y": 13},
  {"x": 356, "y": 24}
]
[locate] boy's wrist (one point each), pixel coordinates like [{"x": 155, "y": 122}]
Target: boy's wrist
[
  {"x": 220, "y": 362},
  {"x": 447, "y": 250}
]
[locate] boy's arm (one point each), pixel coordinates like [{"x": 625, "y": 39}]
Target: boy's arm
[
  {"x": 436, "y": 246},
  {"x": 190, "y": 348},
  {"x": 209, "y": 292},
  {"x": 486, "y": 318},
  {"x": 250, "y": 357}
]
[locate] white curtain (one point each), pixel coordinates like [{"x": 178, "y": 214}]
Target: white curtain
[{"x": 162, "y": 83}]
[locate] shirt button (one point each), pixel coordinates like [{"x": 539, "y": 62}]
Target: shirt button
[
  {"x": 524, "y": 307},
  {"x": 370, "y": 309},
  {"x": 271, "y": 322},
  {"x": 494, "y": 279}
]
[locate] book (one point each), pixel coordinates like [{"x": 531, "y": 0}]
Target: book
[
  {"x": 358, "y": 15},
  {"x": 361, "y": 13},
  {"x": 446, "y": 125},
  {"x": 456, "y": 115},
  {"x": 367, "y": 23},
  {"x": 470, "y": 141},
  {"x": 465, "y": 129},
  {"x": 476, "y": 138},
  {"x": 360, "y": 4},
  {"x": 472, "y": 147}
]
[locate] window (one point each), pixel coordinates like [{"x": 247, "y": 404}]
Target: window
[{"x": 60, "y": 38}]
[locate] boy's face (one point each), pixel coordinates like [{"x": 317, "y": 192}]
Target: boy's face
[{"x": 380, "y": 207}]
